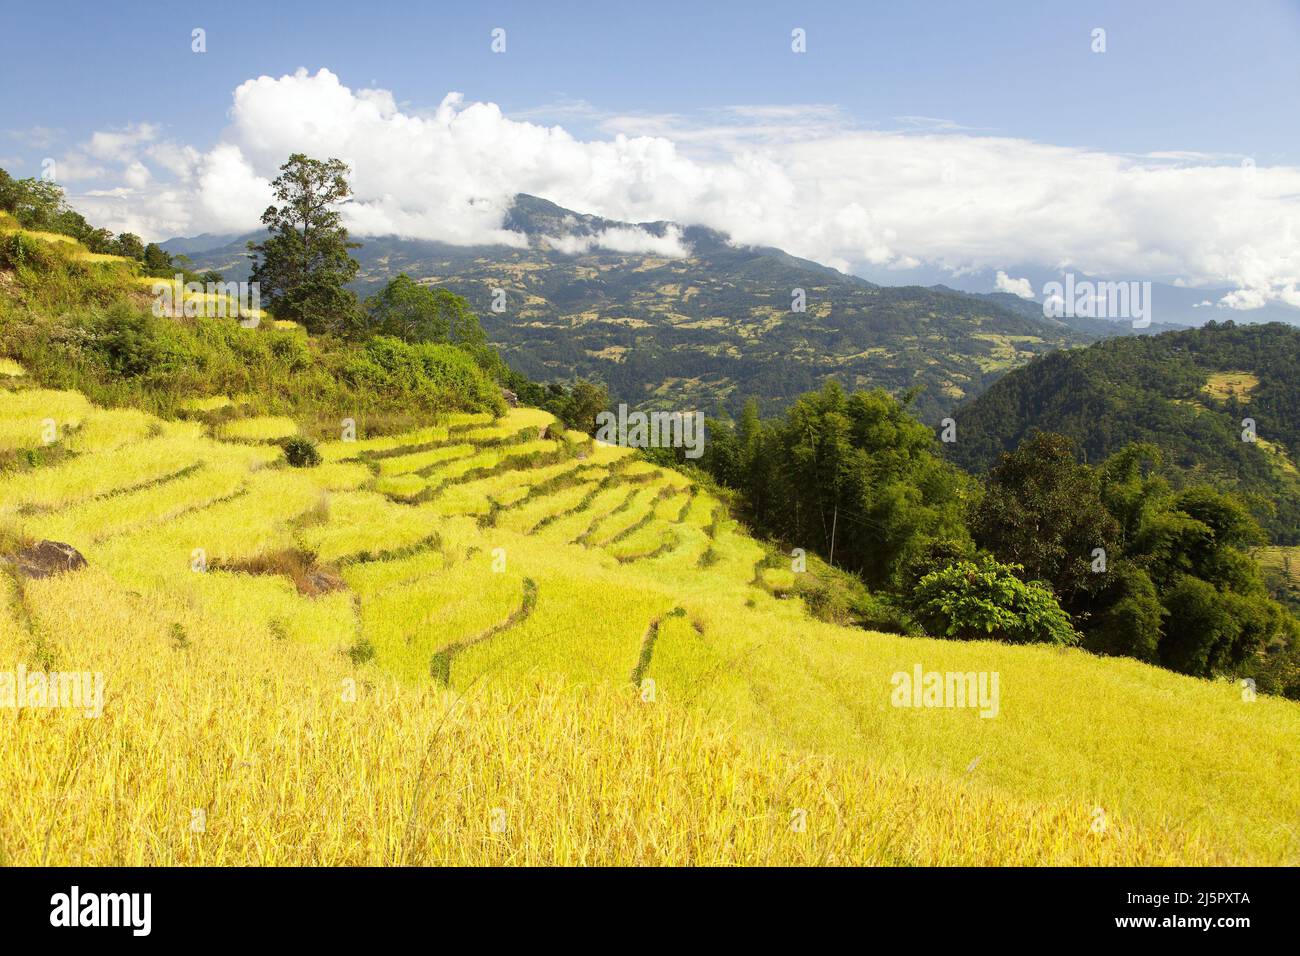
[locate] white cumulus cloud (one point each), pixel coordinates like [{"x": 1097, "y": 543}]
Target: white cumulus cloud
[
  {"x": 631, "y": 239},
  {"x": 1020, "y": 287},
  {"x": 825, "y": 190}
]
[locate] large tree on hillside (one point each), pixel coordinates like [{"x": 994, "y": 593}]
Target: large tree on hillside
[
  {"x": 157, "y": 261},
  {"x": 412, "y": 312},
  {"x": 853, "y": 477},
  {"x": 304, "y": 264},
  {"x": 1042, "y": 509},
  {"x": 35, "y": 203},
  {"x": 1192, "y": 545},
  {"x": 130, "y": 245}
]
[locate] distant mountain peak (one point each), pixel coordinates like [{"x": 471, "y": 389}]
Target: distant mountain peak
[{"x": 535, "y": 216}]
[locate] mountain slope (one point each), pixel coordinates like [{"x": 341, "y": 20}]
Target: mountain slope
[
  {"x": 1096, "y": 328},
  {"x": 714, "y": 325},
  {"x": 1187, "y": 392},
  {"x": 479, "y": 621}
]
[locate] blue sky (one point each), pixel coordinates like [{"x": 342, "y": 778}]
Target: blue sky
[
  {"x": 1205, "y": 76},
  {"x": 913, "y": 139}
]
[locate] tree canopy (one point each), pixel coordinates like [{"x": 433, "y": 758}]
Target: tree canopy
[
  {"x": 1045, "y": 548},
  {"x": 407, "y": 310},
  {"x": 303, "y": 266}
]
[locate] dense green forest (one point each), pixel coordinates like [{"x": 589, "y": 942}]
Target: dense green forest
[
  {"x": 1193, "y": 394},
  {"x": 1109, "y": 556}
]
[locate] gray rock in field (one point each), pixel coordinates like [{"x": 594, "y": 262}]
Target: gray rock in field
[{"x": 46, "y": 558}]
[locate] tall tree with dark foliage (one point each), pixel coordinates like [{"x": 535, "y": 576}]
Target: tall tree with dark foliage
[{"x": 303, "y": 266}]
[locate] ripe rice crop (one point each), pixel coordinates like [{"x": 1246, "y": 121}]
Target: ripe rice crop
[
  {"x": 31, "y": 416},
  {"x": 262, "y": 428},
  {"x": 110, "y": 429},
  {"x": 420, "y": 460},
  {"x": 340, "y": 449},
  {"x": 211, "y": 404},
  {"x": 473, "y": 664}
]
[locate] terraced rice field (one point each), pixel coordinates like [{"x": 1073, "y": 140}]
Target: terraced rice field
[{"x": 363, "y": 661}]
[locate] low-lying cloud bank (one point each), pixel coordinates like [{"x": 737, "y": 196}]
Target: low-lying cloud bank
[
  {"x": 838, "y": 195},
  {"x": 630, "y": 239}
]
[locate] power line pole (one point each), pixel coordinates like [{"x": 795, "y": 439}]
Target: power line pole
[{"x": 834, "y": 521}]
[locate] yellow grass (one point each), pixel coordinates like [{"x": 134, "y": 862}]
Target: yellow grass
[
  {"x": 262, "y": 428},
  {"x": 45, "y": 236},
  {"x": 78, "y": 251},
  {"x": 38, "y": 416},
  {"x": 1223, "y": 385},
  {"x": 545, "y": 648},
  {"x": 206, "y": 404},
  {"x": 103, "y": 257},
  {"x": 211, "y": 304}
]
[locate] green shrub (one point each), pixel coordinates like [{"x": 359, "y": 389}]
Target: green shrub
[
  {"x": 125, "y": 341},
  {"x": 301, "y": 452},
  {"x": 18, "y": 251},
  {"x": 972, "y": 601},
  {"x": 291, "y": 349},
  {"x": 839, "y": 597},
  {"x": 437, "y": 375}
]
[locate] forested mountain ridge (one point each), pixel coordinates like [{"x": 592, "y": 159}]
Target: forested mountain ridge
[
  {"x": 717, "y": 324},
  {"x": 1222, "y": 402}
]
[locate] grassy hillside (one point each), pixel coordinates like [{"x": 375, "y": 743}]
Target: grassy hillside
[
  {"x": 1187, "y": 392},
  {"x": 77, "y": 321},
  {"x": 488, "y": 640}
]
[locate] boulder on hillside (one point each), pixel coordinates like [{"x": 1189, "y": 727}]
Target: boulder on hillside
[
  {"x": 511, "y": 398},
  {"x": 46, "y": 558}
]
